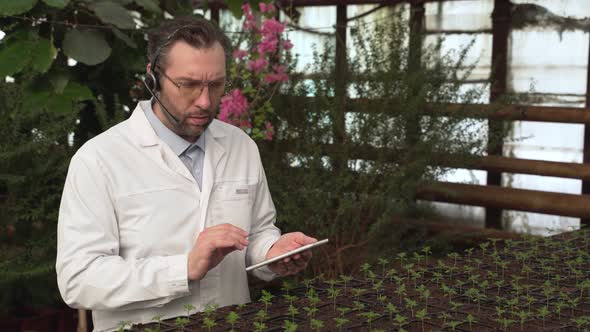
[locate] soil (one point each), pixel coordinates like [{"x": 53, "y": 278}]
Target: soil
[{"x": 534, "y": 284}]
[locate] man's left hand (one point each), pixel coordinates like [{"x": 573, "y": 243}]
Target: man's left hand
[{"x": 292, "y": 264}]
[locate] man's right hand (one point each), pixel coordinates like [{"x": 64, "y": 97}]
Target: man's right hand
[{"x": 212, "y": 245}]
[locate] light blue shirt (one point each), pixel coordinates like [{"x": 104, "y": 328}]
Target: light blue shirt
[{"x": 192, "y": 155}]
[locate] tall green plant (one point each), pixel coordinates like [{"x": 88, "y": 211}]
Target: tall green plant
[{"x": 392, "y": 142}]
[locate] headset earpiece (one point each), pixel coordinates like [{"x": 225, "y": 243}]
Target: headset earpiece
[{"x": 151, "y": 80}]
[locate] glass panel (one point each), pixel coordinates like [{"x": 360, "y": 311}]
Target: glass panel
[
  {"x": 318, "y": 23},
  {"x": 571, "y": 8},
  {"x": 459, "y": 15},
  {"x": 560, "y": 68}
]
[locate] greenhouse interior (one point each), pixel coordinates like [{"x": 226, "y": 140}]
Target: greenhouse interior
[{"x": 294, "y": 165}]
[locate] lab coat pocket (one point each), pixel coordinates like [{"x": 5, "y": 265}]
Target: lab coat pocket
[{"x": 231, "y": 202}]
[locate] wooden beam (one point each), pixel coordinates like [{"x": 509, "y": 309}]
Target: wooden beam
[
  {"x": 516, "y": 112},
  {"x": 487, "y": 163},
  {"x": 500, "y": 34},
  {"x": 526, "y": 166},
  {"x": 481, "y": 111},
  {"x": 570, "y": 205}
]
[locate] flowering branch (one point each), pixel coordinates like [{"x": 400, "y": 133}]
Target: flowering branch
[{"x": 257, "y": 72}]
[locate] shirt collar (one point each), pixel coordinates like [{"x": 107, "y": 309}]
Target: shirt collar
[{"x": 176, "y": 143}]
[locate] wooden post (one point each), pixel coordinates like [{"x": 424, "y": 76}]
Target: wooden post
[
  {"x": 412, "y": 128},
  {"x": 586, "y": 157},
  {"x": 215, "y": 13},
  {"x": 339, "y": 114},
  {"x": 501, "y": 31}
]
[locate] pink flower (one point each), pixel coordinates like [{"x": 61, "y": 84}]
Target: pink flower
[
  {"x": 278, "y": 76},
  {"x": 246, "y": 8},
  {"x": 257, "y": 65},
  {"x": 268, "y": 45},
  {"x": 269, "y": 132},
  {"x": 264, "y": 8},
  {"x": 249, "y": 22},
  {"x": 240, "y": 54},
  {"x": 272, "y": 27},
  {"x": 287, "y": 45},
  {"x": 234, "y": 108},
  {"x": 245, "y": 124}
]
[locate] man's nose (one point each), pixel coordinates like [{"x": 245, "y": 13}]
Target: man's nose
[{"x": 204, "y": 100}]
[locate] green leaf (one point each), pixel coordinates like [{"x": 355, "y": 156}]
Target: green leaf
[
  {"x": 59, "y": 82},
  {"x": 43, "y": 55},
  {"x": 126, "y": 39},
  {"x": 178, "y": 7},
  {"x": 86, "y": 46},
  {"x": 235, "y": 7},
  {"x": 15, "y": 56},
  {"x": 46, "y": 100},
  {"x": 78, "y": 92},
  {"x": 150, "y": 5},
  {"x": 57, "y": 3},
  {"x": 16, "y": 7},
  {"x": 35, "y": 101},
  {"x": 122, "y": 2},
  {"x": 113, "y": 13}
]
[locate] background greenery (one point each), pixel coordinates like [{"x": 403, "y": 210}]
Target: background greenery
[{"x": 52, "y": 108}]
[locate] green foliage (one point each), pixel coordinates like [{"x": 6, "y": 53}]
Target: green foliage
[
  {"x": 87, "y": 46},
  {"x": 15, "y": 7},
  {"x": 346, "y": 191},
  {"x": 113, "y": 13}
]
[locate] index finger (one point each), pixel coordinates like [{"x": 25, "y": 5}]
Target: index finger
[{"x": 227, "y": 227}]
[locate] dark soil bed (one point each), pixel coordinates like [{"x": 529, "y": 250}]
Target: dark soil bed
[{"x": 534, "y": 284}]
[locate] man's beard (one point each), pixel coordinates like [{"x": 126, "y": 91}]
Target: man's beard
[{"x": 182, "y": 127}]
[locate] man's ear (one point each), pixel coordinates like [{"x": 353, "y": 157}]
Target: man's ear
[{"x": 148, "y": 68}]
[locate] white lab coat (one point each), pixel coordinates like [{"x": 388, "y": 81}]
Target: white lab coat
[{"x": 131, "y": 212}]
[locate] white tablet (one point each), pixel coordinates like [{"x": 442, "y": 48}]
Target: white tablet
[{"x": 287, "y": 254}]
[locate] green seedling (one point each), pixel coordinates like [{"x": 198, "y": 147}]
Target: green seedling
[
  {"x": 317, "y": 324},
  {"x": 266, "y": 298},
  {"x": 391, "y": 309},
  {"x": 289, "y": 326},
  {"x": 293, "y": 311},
  {"x": 208, "y": 323},
  {"x": 343, "y": 310},
  {"x": 333, "y": 294},
  {"x": 411, "y": 304},
  {"x": 123, "y": 325},
  {"x": 340, "y": 322},
  {"x": 345, "y": 279},
  {"x": 232, "y": 318},
  {"x": 453, "y": 324},
  {"x": 181, "y": 322},
  {"x": 259, "y": 326},
  {"x": 369, "y": 317},
  {"x": 422, "y": 315},
  {"x": 470, "y": 319}
]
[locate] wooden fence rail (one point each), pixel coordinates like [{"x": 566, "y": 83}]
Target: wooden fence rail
[{"x": 570, "y": 205}]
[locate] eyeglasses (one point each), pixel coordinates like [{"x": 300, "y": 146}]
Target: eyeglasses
[{"x": 193, "y": 89}]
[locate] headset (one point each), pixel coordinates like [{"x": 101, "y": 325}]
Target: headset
[{"x": 152, "y": 78}]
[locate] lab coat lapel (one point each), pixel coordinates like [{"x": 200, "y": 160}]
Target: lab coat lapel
[
  {"x": 214, "y": 152},
  {"x": 150, "y": 142},
  {"x": 143, "y": 133}
]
